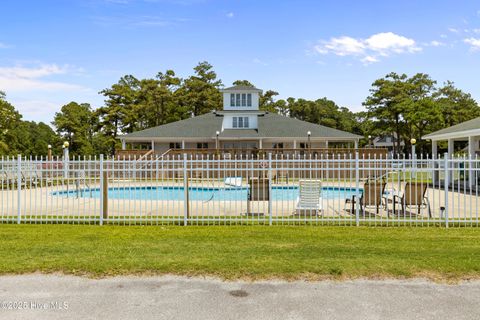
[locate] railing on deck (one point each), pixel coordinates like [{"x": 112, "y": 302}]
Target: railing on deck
[
  {"x": 313, "y": 152},
  {"x": 132, "y": 153}
]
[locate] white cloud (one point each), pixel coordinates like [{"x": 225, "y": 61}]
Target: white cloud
[
  {"x": 38, "y": 110},
  {"x": 20, "y": 78},
  {"x": 135, "y": 21},
  {"x": 342, "y": 46},
  {"x": 435, "y": 43},
  {"x": 387, "y": 42},
  {"x": 473, "y": 42},
  {"x": 4, "y": 45},
  {"x": 258, "y": 61},
  {"x": 453, "y": 30},
  {"x": 476, "y": 31},
  {"x": 230, "y": 15},
  {"x": 369, "y": 59},
  {"x": 368, "y": 50}
]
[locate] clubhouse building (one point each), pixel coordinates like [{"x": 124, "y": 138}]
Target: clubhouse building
[{"x": 239, "y": 126}]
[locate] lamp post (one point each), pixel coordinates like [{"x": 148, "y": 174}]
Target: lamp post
[
  {"x": 65, "y": 159},
  {"x": 217, "y": 145},
  {"x": 49, "y": 154},
  {"x": 414, "y": 156},
  {"x": 413, "y": 142},
  {"x": 309, "y": 133},
  {"x": 369, "y": 141}
]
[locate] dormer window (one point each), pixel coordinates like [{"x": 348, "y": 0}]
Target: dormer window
[
  {"x": 240, "y": 99},
  {"x": 240, "y": 122}
]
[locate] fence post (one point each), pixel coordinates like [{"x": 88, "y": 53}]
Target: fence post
[
  {"x": 19, "y": 188},
  {"x": 270, "y": 188},
  {"x": 446, "y": 183},
  {"x": 185, "y": 188},
  {"x": 357, "y": 189},
  {"x": 102, "y": 182}
]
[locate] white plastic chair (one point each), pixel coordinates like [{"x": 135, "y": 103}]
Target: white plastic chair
[{"x": 310, "y": 195}]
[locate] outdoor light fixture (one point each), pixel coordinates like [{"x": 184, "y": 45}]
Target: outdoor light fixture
[
  {"x": 309, "y": 133},
  {"x": 49, "y": 146},
  {"x": 414, "y": 157},
  {"x": 66, "y": 144},
  {"x": 216, "y": 141}
]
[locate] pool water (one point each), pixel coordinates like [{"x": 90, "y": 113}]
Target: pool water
[{"x": 279, "y": 193}]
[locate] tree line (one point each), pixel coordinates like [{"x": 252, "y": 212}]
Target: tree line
[{"x": 399, "y": 105}]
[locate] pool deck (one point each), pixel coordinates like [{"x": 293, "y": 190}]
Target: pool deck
[{"x": 39, "y": 203}]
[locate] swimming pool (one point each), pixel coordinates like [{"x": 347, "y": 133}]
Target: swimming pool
[{"x": 177, "y": 193}]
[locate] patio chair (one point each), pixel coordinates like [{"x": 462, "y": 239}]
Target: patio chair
[
  {"x": 310, "y": 196},
  {"x": 413, "y": 196},
  {"x": 233, "y": 181},
  {"x": 11, "y": 178},
  {"x": 372, "y": 196}
]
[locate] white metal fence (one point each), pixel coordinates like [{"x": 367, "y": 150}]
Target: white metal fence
[{"x": 278, "y": 189}]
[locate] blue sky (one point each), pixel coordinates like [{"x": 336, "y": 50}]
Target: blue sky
[{"x": 53, "y": 52}]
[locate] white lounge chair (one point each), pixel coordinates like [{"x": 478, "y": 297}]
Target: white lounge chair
[
  {"x": 233, "y": 181},
  {"x": 310, "y": 196}
]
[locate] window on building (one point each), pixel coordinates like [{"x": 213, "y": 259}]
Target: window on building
[
  {"x": 240, "y": 99},
  {"x": 278, "y": 145},
  {"x": 240, "y": 122},
  {"x": 202, "y": 145},
  {"x": 303, "y": 145},
  {"x": 175, "y": 145}
]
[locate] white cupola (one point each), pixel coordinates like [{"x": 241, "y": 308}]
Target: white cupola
[
  {"x": 240, "y": 107},
  {"x": 241, "y": 98}
]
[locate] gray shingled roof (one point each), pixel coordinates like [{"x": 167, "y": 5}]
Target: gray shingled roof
[
  {"x": 201, "y": 126},
  {"x": 464, "y": 126},
  {"x": 270, "y": 125},
  {"x": 241, "y": 87}
]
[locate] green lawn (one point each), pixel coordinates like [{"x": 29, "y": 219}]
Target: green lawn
[{"x": 251, "y": 252}]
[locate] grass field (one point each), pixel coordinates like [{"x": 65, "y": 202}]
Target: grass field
[{"x": 249, "y": 252}]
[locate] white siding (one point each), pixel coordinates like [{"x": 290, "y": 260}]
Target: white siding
[
  {"x": 228, "y": 121},
  {"x": 226, "y": 100}
]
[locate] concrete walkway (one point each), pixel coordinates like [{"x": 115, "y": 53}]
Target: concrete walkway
[{"x": 66, "y": 297}]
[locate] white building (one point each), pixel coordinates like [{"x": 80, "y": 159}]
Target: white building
[{"x": 240, "y": 125}]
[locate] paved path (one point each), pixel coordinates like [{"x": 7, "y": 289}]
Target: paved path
[{"x": 65, "y": 297}]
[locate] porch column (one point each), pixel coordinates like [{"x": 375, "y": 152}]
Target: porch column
[
  {"x": 451, "y": 143},
  {"x": 471, "y": 155},
  {"x": 153, "y": 145},
  {"x": 434, "y": 157},
  {"x": 183, "y": 144},
  {"x": 294, "y": 144},
  {"x": 124, "y": 144},
  {"x": 356, "y": 144},
  {"x": 260, "y": 144},
  {"x": 326, "y": 144},
  {"x": 434, "y": 149}
]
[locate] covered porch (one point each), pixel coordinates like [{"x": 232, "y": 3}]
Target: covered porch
[
  {"x": 467, "y": 132},
  {"x": 462, "y": 143},
  {"x": 218, "y": 144}
]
